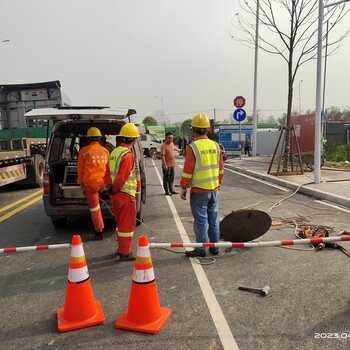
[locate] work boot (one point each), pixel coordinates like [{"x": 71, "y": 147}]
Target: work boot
[
  {"x": 97, "y": 236},
  {"x": 214, "y": 252},
  {"x": 196, "y": 254},
  {"x": 126, "y": 257}
]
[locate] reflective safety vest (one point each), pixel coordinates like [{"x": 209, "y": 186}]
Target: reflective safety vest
[
  {"x": 130, "y": 184},
  {"x": 206, "y": 170}
]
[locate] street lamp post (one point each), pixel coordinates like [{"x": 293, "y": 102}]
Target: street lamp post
[
  {"x": 300, "y": 97},
  {"x": 318, "y": 116},
  {"x": 255, "y": 113},
  {"x": 161, "y": 105}
]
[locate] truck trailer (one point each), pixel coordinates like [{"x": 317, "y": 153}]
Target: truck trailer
[{"x": 23, "y": 142}]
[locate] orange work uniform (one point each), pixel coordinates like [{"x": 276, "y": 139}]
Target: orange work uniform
[
  {"x": 123, "y": 203},
  {"x": 92, "y": 162}
]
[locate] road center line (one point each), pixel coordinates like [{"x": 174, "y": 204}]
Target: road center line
[
  {"x": 20, "y": 201},
  {"x": 15, "y": 211},
  {"x": 223, "y": 329}
]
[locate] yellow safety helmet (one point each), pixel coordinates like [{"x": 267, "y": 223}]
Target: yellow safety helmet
[
  {"x": 94, "y": 132},
  {"x": 200, "y": 121},
  {"x": 129, "y": 130}
]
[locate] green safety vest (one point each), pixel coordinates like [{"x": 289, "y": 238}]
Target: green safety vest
[
  {"x": 206, "y": 170},
  {"x": 129, "y": 186}
]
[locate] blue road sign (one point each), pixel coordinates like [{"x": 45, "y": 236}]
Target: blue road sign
[{"x": 239, "y": 114}]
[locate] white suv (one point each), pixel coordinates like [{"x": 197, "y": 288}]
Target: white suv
[{"x": 63, "y": 197}]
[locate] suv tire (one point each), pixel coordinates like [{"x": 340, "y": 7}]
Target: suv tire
[{"x": 59, "y": 222}]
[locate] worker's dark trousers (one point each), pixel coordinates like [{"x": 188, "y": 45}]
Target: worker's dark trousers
[{"x": 168, "y": 179}]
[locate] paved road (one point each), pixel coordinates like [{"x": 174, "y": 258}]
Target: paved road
[{"x": 309, "y": 290}]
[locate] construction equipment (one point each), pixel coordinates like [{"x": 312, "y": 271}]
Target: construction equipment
[{"x": 262, "y": 291}]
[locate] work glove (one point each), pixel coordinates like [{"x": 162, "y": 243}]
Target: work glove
[
  {"x": 106, "y": 191},
  {"x": 183, "y": 193}
]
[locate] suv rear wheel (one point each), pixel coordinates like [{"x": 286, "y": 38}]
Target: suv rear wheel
[{"x": 59, "y": 222}]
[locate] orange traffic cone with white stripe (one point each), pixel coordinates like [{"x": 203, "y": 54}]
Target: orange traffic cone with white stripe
[
  {"x": 80, "y": 308},
  {"x": 144, "y": 313}
]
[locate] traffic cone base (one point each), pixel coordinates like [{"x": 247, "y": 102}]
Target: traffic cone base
[
  {"x": 80, "y": 308},
  {"x": 144, "y": 313},
  {"x": 64, "y": 325},
  {"x": 153, "y": 327}
]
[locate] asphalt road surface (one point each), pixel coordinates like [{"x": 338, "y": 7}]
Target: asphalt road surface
[{"x": 307, "y": 307}]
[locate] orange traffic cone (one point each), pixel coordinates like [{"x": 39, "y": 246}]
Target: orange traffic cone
[
  {"x": 144, "y": 313},
  {"x": 80, "y": 309}
]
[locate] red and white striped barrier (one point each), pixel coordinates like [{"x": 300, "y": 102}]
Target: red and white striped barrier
[
  {"x": 282, "y": 243},
  {"x": 252, "y": 244},
  {"x": 37, "y": 247}
]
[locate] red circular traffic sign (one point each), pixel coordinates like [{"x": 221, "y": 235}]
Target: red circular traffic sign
[{"x": 239, "y": 102}]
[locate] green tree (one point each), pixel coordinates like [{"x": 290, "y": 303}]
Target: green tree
[
  {"x": 294, "y": 40},
  {"x": 186, "y": 128},
  {"x": 334, "y": 113},
  {"x": 282, "y": 119},
  {"x": 346, "y": 113},
  {"x": 149, "y": 121},
  {"x": 249, "y": 119}
]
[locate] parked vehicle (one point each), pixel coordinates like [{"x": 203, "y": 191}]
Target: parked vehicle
[
  {"x": 22, "y": 142},
  {"x": 21, "y": 162},
  {"x": 151, "y": 144},
  {"x": 63, "y": 197}
]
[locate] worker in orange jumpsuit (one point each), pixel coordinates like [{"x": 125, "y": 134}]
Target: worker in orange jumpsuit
[
  {"x": 120, "y": 175},
  {"x": 92, "y": 162}
]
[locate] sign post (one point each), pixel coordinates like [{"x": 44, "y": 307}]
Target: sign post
[{"x": 239, "y": 115}]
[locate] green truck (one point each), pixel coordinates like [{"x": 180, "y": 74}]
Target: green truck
[{"x": 23, "y": 142}]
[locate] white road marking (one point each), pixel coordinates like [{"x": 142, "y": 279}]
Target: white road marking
[
  {"x": 223, "y": 329},
  {"x": 258, "y": 180},
  {"x": 333, "y": 206}
]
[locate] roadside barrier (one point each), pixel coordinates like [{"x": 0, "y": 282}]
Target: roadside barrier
[
  {"x": 194, "y": 245},
  {"x": 313, "y": 241},
  {"x": 144, "y": 313},
  {"x": 80, "y": 308},
  {"x": 35, "y": 247}
]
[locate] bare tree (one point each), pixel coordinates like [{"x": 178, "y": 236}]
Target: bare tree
[{"x": 288, "y": 28}]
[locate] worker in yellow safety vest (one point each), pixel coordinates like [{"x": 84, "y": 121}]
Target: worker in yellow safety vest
[
  {"x": 92, "y": 162},
  {"x": 203, "y": 172},
  {"x": 120, "y": 175}
]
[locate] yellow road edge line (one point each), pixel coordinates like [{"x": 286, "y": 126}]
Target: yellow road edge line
[
  {"x": 20, "y": 201},
  {"x": 15, "y": 211}
]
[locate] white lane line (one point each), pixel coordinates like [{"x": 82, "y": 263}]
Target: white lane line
[
  {"x": 258, "y": 180},
  {"x": 333, "y": 206},
  {"x": 223, "y": 329}
]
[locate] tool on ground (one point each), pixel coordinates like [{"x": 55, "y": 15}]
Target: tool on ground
[
  {"x": 263, "y": 291},
  {"x": 244, "y": 225}
]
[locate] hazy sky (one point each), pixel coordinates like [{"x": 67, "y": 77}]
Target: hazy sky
[{"x": 124, "y": 53}]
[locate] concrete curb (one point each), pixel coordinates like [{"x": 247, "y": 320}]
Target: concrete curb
[{"x": 303, "y": 188}]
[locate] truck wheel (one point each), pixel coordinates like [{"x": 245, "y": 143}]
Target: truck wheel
[
  {"x": 59, "y": 222},
  {"x": 39, "y": 165}
]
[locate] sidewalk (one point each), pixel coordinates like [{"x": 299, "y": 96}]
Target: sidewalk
[{"x": 334, "y": 186}]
